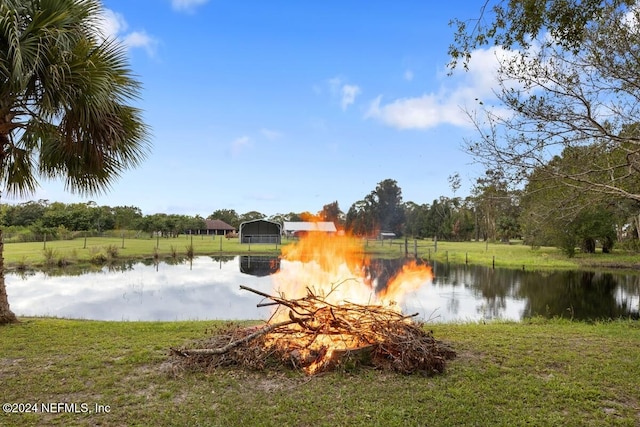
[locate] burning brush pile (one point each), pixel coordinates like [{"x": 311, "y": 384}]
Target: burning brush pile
[{"x": 330, "y": 321}]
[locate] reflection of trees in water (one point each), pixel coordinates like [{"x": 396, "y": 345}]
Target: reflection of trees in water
[
  {"x": 113, "y": 266},
  {"x": 222, "y": 258},
  {"x": 494, "y": 287},
  {"x": 468, "y": 289},
  {"x": 579, "y": 295}
]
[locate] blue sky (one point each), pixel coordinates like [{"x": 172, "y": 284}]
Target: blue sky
[{"x": 286, "y": 106}]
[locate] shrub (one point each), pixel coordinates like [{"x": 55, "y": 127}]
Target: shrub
[
  {"x": 50, "y": 256},
  {"x": 97, "y": 256},
  {"x": 112, "y": 251}
]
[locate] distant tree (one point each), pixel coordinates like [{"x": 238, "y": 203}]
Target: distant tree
[
  {"x": 361, "y": 219},
  {"x": 126, "y": 217},
  {"x": 555, "y": 214},
  {"x": 294, "y": 217},
  {"x": 104, "y": 219},
  {"x": 64, "y": 102},
  {"x": 153, "y": 223},
  {"x": 332, "y": 212},
  {"x": 446, "y": 218},
  {"x": 416, "y": 219},
  {"x": 195, "y": 223},
  {"x": 380, "y": 210},
  {"x": 496, "y": 206},
  {"x": 279, "y": 218},
  {"x": 169, "y": 225},
  {"x": 230, "y": 216},
  {"x": 386, "y": 200},
  {"x": 440, "y": 218},
  {"x": 463, "y": 221},
  {"x": 77, "y": 216},
  {"x": 23, "y": 214},
  {"x": 250, "y": 216}
]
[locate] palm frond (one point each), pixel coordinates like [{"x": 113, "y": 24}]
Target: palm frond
[{"x": 67, "y": 93}]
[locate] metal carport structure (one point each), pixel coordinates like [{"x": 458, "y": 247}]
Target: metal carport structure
[{"x": 260, "y": 231}]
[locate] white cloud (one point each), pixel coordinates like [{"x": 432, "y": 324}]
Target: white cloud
[
  {"x": 270, "y": 134},
  {"x": 448, "y": 105},
  {"x": 239, "y": 145},
  {"x": 141, "y": 39},
  {"x": 424, "y": 112},
  {"x": 112, "y": 25},
  {"x": 187, "y": 5},
  {"x": 408, "y": 75},
  {"x": 347, "y": 93}
]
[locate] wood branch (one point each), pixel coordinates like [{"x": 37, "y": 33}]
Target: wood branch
[
  {"x": 267, "y": 304},
  {"x": 233, "y": 344},
  {"x": 255, "y": 291},
  {"x": 280, "y": 301}
]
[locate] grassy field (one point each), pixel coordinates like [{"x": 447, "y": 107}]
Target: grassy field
[
  {"x": 106, "y": 249},
  {"x": 538, "y": 372}
]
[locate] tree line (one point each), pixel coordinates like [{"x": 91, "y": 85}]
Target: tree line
[{"x": 493, "y": 212}]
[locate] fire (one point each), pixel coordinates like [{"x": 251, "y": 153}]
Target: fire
[{"x": 332, "y": 274}]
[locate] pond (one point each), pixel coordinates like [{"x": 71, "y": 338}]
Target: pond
[{"x": 209, "y": 288}]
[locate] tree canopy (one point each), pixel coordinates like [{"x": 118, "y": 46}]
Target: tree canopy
[
  {"x": 582, "y": 102},
  {"x": 517, "y": 24}
]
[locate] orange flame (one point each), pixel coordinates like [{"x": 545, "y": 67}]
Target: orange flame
[{"x": 336, "y": 268}]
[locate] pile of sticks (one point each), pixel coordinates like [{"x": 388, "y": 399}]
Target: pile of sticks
[{"x": 317, "y": 336}]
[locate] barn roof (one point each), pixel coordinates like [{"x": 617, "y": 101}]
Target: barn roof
[
  {"x": 326, "y": 226},
  {"x": 217, "y": 224}
]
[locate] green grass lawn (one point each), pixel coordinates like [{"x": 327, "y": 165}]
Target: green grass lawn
[
  {"x": 81, "y": 250},
  {"x": 538, "y": 372}
]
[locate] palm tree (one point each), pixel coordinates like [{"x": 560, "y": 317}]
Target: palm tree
[{"x": 64, "y": 94}]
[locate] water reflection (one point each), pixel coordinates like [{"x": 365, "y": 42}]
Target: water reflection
[
  {"x": 208, "y": 288},
  {"x": 259, "y": 265}
]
